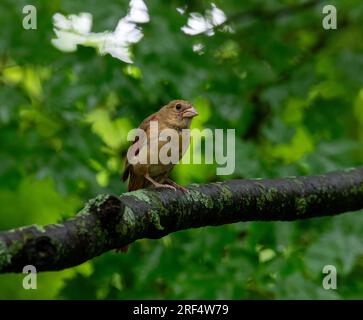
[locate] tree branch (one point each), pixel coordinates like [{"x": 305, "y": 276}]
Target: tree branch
[{"x": 109, "y": 222}]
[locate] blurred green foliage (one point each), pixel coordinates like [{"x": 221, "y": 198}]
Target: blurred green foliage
[{"x": 292, "y": 90}]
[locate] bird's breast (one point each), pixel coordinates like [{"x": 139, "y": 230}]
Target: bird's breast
[{"x": 162, "y": 153}]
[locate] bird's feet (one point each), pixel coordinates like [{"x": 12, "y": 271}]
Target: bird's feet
[
  {"x": 176, "y": 186},
  {"x": 157, "y": 184},
  {"x": 168, "y": 186}
]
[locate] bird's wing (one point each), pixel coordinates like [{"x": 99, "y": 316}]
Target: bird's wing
[
  {"x": 146, "y": 123},
  {"x": 137, "y": 144}
]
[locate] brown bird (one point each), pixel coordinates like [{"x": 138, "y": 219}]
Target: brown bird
[{"x": 176, "y": 115}]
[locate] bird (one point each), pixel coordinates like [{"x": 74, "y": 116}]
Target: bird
[{"x": 176, "y": 115}]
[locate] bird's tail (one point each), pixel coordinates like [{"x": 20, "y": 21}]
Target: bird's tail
[
  {"x": 136, "y": 182},
  {"x": 123, "y": 249}
]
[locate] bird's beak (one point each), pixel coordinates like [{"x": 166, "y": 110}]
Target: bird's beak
[{"x": 190, "y": 113}]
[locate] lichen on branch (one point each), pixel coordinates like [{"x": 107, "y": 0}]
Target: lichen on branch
[{"x": 108, "y": 221}]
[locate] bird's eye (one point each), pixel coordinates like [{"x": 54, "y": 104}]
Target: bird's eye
[{"x": 178, "y": 106}]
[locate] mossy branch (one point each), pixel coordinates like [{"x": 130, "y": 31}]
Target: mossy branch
[{"x": 109, "y": 221}]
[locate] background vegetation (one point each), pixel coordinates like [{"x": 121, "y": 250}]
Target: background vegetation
[{"x": 292, "y": 90}]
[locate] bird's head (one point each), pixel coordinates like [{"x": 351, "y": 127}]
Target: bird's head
[{"x": 179, "y": 113}]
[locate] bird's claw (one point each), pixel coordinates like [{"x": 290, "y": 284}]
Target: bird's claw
[
  {"x": 177, "y": 186},
  {"x": 168, "y": 186},
  {"x": 181, "y": 188}
]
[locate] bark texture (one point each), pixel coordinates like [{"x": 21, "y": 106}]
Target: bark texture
[{"x": 108, "y": 221}]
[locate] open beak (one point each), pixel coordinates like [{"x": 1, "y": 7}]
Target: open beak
[{"x": 190, "y": 113}]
